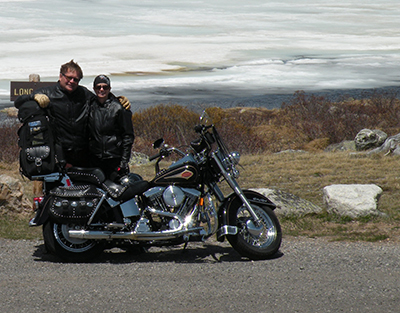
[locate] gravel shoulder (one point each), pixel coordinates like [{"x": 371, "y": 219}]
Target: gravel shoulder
[{"x": 308, "y": 275}]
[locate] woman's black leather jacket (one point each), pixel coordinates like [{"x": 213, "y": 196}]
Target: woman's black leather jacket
[{"x": 111, "y": 130}]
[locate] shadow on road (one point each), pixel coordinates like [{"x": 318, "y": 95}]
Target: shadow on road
[{"x": 193, "y": 253}]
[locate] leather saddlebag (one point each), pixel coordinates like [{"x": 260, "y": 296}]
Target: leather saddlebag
[{"x": 73, "y": 204}]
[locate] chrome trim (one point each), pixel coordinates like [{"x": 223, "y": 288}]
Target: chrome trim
[
  {"x": 97, "y": 208},
  {"x": 227, "y": 230},
  {"x": 48, "y": 178},
  {"x": 236, "y": 188},
  {"x": 112, "y": 202},
  {"x": 143, "y": 236},
  {"x": 32, "y": 222},
  {"x": 129, "y": 208}
]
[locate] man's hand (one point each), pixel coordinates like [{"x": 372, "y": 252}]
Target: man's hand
[
  {"x": 124, "y": 102},
  {"x": 42, "y": 99}
]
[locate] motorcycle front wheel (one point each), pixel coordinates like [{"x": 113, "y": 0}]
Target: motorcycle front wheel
[
  {"x": 57, "y": 241},
  {"x": 257, "y": 242}
]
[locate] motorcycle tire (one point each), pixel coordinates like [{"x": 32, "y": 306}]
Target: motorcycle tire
[
  {"x": 58, "y": 242},
  {"x": 256, "y": 243}
]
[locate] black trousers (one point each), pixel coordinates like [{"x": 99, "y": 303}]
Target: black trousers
[
  {"x": 78, "y": 158},
  {"x": 108, "y": 166}
]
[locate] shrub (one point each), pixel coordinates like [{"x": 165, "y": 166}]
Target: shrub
[
  {"x": 237, "y": 130},
  {"x": 9, "y": 143},
  {"x": 318, "y": 117},
  {"x": 174, "y": 123}
]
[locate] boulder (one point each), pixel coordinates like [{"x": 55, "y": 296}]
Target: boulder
[
  {"x": 346, "y": 145},
  {"x": 390, "y": 146},
  {"x": 288, "y": 204},
  {"x": 353, "y": 200},
  {"x": 138, "y": 158},
  {"x": 291, "y": 151},
  {"x": 367, "y": 139},
  {"x": 12, "y": 198}
]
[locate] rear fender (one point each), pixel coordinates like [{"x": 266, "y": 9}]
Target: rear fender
[
  {"x": 223, "y": 211},
  {"x": 42, "y": 214}
]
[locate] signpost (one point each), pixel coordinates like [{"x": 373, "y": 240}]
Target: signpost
[{"x": 26, "y": 88}]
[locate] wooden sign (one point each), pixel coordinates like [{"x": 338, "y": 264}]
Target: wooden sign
[{"x": 26, "y": 88}]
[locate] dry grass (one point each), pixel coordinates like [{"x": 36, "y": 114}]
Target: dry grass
[
  {"x": 12, "y": 226},
  {"x": 306, "y": 174}
]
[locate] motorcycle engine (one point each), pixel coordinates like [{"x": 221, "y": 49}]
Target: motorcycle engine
[
  {"x": 173, "y": 199},
  {"x": 173, "y": 196}
]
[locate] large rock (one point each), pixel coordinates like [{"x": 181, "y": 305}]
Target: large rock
[
  {"x": 390, "y": 146},
  {"x": 138, "y": 158},
  {"x": 352, "y": 200},
  {"x": 367, "y": 139},
  {"x": 345, "y": 145},
  {"x": 288, "y": 204},
  {"x": 12, "y": 198}
]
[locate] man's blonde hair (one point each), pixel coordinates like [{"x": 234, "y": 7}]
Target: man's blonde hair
[{"x": 73, "y": 67}]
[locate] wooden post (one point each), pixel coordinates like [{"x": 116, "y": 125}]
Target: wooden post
[
  {"x": 34, "y": 78},
  {"x": 37, "y": 185}
]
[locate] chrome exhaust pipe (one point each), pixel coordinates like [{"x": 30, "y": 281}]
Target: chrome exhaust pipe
[{"x": 138, "y": 236}]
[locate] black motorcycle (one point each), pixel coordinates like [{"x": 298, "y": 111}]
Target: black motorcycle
[{"x": 82, "y": 212}]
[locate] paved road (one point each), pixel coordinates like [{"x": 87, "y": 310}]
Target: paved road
[{"x": 307, "y": 276}]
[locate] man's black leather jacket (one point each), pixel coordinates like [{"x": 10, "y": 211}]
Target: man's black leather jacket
[{"x": 68, "y": 113}]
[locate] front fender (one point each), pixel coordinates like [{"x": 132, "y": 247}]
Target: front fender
[
  {"x": 257, "y": 198},
  {"x": 223, "y": 210}
]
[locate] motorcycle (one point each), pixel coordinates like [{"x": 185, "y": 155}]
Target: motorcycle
[{"x": 82, "y": 212}]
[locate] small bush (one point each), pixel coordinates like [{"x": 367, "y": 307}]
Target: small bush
[
  {"x": 9, "y": 143},
  {"x": 174, "y": 123},
  {"x": 237, "y": 131},
  {"x": 318, "y": 117}
]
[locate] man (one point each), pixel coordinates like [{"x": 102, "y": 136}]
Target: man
[{"x": 67, "y": 104}]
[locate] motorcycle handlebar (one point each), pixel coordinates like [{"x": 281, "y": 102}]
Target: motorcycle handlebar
[
  {"x": 200, "y": 128},
  {"x": 166, "y": 152},
  {"x": 153, "y": 157}
]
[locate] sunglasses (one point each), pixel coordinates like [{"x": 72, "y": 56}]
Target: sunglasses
[
  {"x": 69, "y": 78},
  {"x": 105, "y": 87}
]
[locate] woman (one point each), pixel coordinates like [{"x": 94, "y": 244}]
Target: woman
[{"x": 111, "y": 131}]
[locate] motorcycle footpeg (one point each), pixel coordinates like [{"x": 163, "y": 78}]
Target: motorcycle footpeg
[{"x": 115, "y": 226}]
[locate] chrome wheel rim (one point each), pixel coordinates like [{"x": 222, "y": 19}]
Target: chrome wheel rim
[
  {"x": 70, "y": 244},
  {"x": 262, "y": 238}
]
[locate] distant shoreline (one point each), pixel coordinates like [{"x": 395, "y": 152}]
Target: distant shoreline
[
  {"x": 229, "y": 98},
  {"x": 238, "y": 98}
]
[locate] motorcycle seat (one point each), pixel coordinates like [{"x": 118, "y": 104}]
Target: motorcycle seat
[
  {"x": 93, "y": 175},
  {"x": 125, "y": 192}
]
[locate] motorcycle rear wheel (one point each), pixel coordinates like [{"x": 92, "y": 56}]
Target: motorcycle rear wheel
[
  {"x": 58, "y": 242},
  {"x": 256, "y": 243}
]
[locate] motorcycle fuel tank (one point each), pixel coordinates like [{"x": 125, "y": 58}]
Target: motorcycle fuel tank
[{"x": 183, "y": 172}]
